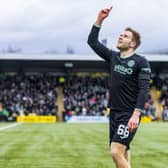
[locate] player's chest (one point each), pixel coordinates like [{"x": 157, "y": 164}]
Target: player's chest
[{"x": 124, "y": 68}]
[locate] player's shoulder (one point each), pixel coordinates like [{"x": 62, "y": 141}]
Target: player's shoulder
[
  {"x": 141, "y": 59},
  {"x": 143, "y": 64},
  {"x": 114, "y": 55}
]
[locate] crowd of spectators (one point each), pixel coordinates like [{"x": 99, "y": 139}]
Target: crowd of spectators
[
  {"x": 164, "y": 99},
  {"x": 25, "y": 94},
  {"x": 149, "y": 109},
  {"x": 161, "y": 84},
  {"x": 85, "y": 96}
]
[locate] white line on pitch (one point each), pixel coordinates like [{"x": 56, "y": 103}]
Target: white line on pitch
[{"x": 10, "y": 126}]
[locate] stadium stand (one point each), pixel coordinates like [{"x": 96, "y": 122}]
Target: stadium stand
[
  {"x": 159, "y": 94},
  {"x": 27, "y": 94},
  {"x": 38, "y": 92},
  {"x": 77, "y": 95},
  {"x": 86, "y": 96}
]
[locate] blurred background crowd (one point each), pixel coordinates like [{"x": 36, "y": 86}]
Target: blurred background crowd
[{"x": 37, "y": 94}]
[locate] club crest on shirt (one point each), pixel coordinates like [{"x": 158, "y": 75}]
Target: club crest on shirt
[{"x": 131, "y": 63}]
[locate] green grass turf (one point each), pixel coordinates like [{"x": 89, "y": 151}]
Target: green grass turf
[{"x": 78, "y": 146}]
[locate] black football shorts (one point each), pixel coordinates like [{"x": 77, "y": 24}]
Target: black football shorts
[{"x": 118, "y": 128}]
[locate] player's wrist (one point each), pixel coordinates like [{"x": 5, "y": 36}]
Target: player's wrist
[
  {"x": 137, "y": 112},
  {"x": 98, "y": 26},
  {"x": 140, "y": 110},
  {"x": 99, "y": 22}
]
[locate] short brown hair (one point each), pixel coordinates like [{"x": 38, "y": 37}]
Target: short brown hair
[{"x": 136, "y": 36}]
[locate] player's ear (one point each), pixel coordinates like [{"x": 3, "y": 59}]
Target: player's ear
[{"x": 133, "y": 44}]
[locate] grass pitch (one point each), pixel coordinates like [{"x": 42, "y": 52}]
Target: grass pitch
[{"x": 78, "y": 146}]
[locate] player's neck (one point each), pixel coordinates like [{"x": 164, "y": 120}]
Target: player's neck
[{"x": 127, "y": 53}]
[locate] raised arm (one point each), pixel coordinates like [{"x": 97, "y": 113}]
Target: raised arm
[{"x": 93, "y": 41}]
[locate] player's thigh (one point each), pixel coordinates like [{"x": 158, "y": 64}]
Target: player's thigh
[{"x": 117, "y": 149}]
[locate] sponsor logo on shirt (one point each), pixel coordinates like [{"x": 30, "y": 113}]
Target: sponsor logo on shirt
[{"x": 123, "y": 70}]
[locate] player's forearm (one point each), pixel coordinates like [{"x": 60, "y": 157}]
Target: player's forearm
[
  {"x": 93, "y": 39},
  {"x": 93, "y": 36},
  {"x": 94, "y": 43}
]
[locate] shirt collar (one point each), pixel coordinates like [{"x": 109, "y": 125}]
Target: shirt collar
[{"x": 126, "y": 56}]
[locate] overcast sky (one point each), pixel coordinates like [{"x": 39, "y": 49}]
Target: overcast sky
[{"x": 39, "y": 25}]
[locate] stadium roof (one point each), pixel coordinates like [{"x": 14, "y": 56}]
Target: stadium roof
[{"x": 73, "y": 57}]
